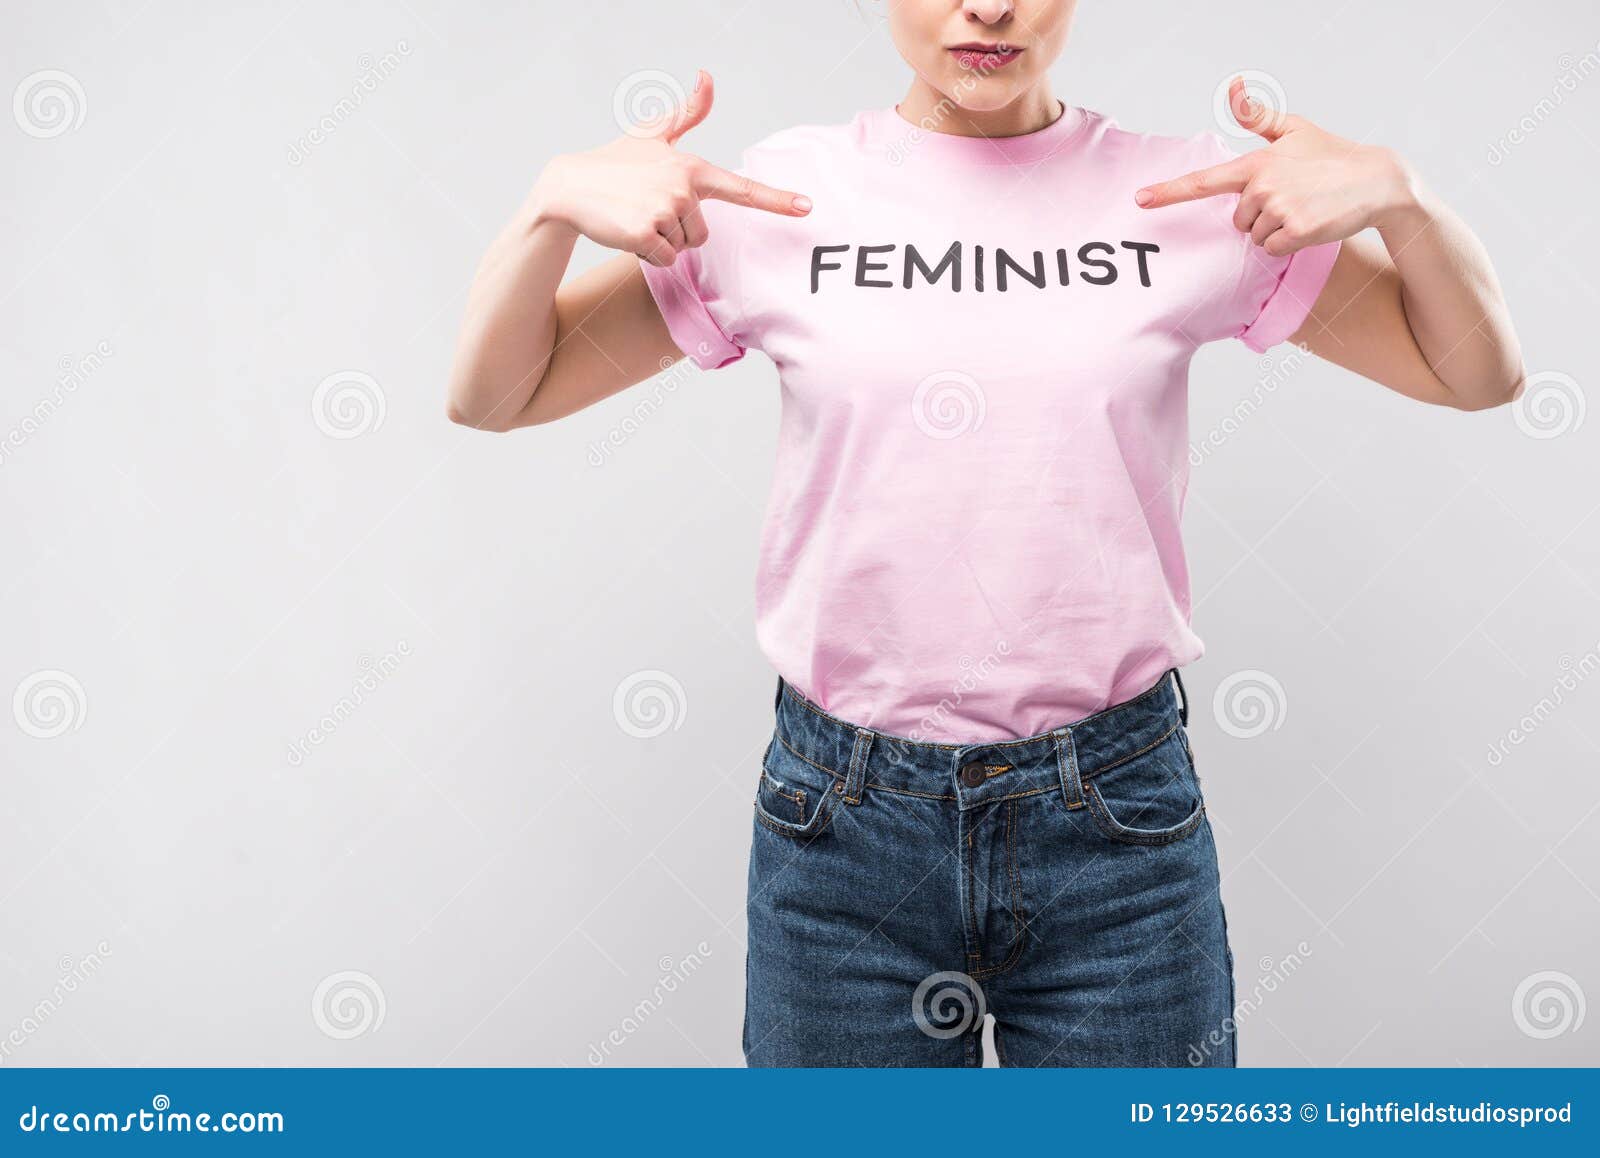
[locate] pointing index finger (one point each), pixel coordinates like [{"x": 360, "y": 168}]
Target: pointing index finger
[
  {"x": 721, "y": 185},
  {"x": 1228, "y": 177}
]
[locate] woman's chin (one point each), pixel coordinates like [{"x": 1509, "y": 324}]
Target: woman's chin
[{"x": 988, "y": 95}]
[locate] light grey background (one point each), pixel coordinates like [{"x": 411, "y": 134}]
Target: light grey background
[{"x": 508, "y": 870}]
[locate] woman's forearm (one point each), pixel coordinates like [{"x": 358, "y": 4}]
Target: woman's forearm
[
  {"x": 1428, "y": 320},
  {"x": 639, "y": 195},
  {"x": 510, "y": 326},
  {"x": 1453, "y": 302}
]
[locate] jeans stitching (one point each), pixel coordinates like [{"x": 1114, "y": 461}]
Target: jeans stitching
[
  {"x": 1121, "y": 760},
  {"x": 1017, "y": 913},
  {"x": 1117, "y": 831}
]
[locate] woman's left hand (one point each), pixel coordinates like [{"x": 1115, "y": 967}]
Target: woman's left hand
[{"x": 1307, "y": 187}]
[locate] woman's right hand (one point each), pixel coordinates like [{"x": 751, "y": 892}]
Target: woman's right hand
[
  {"x": 641, "y": 194},
  {"x": 514, "y": 364}
]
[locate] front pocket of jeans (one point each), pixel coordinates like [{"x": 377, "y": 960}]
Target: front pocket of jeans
[
  {"x": 780, "y": 801},
  {"x": 1152, "y": 799},
  {"x": 793, "y": 798}
]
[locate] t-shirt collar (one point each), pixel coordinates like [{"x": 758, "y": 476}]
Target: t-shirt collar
[{"x": 888, "y": 131}]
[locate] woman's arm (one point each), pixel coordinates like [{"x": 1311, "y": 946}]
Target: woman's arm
[
  {"x": 1422, "y": 313},
  {"x": 531, "y": 349}
]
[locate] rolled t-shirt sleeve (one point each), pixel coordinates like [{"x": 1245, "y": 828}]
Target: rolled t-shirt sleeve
[
  {"x": 698, "y": 293},
  {"x": 1272, "y": 296},
  {"x": 1278, "y": 292}
]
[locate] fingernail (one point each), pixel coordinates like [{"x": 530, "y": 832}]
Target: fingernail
[
  {"x": 802, "y": 204},
  {"x": 699, "y": 80},
  {"x": 1144, "y": 197}
]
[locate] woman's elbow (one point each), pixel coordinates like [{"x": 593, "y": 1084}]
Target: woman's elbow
[
  {"x": 472, "y": 409},
  {"x": 1501, "y": 391}
]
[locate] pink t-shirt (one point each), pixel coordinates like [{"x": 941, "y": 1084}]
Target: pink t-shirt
[{"x": 983, "y": 346}]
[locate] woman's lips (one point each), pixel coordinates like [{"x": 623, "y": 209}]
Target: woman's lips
[{"x": 984, "y": 58}]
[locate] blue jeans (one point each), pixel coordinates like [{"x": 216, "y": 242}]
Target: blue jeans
[{"x": 1066, "y": 883}]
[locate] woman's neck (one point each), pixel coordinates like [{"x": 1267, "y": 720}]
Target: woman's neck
[{"x": 935, "y": 112}]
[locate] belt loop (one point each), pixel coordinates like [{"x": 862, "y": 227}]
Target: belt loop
[
  {"x": 777, "y": 700},
  {"x": 1067, "y": 765},
  {"x": 1183, "y": 699},
  {"x": 856, "y": 780}
]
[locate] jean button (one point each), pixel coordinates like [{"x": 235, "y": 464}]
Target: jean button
[{"x": 972, "y": 774}]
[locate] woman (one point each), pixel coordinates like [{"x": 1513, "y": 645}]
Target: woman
[{"x": 982, "y": 305}]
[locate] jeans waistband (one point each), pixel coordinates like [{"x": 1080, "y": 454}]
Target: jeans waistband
[{"x": 862, "y": 760}]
